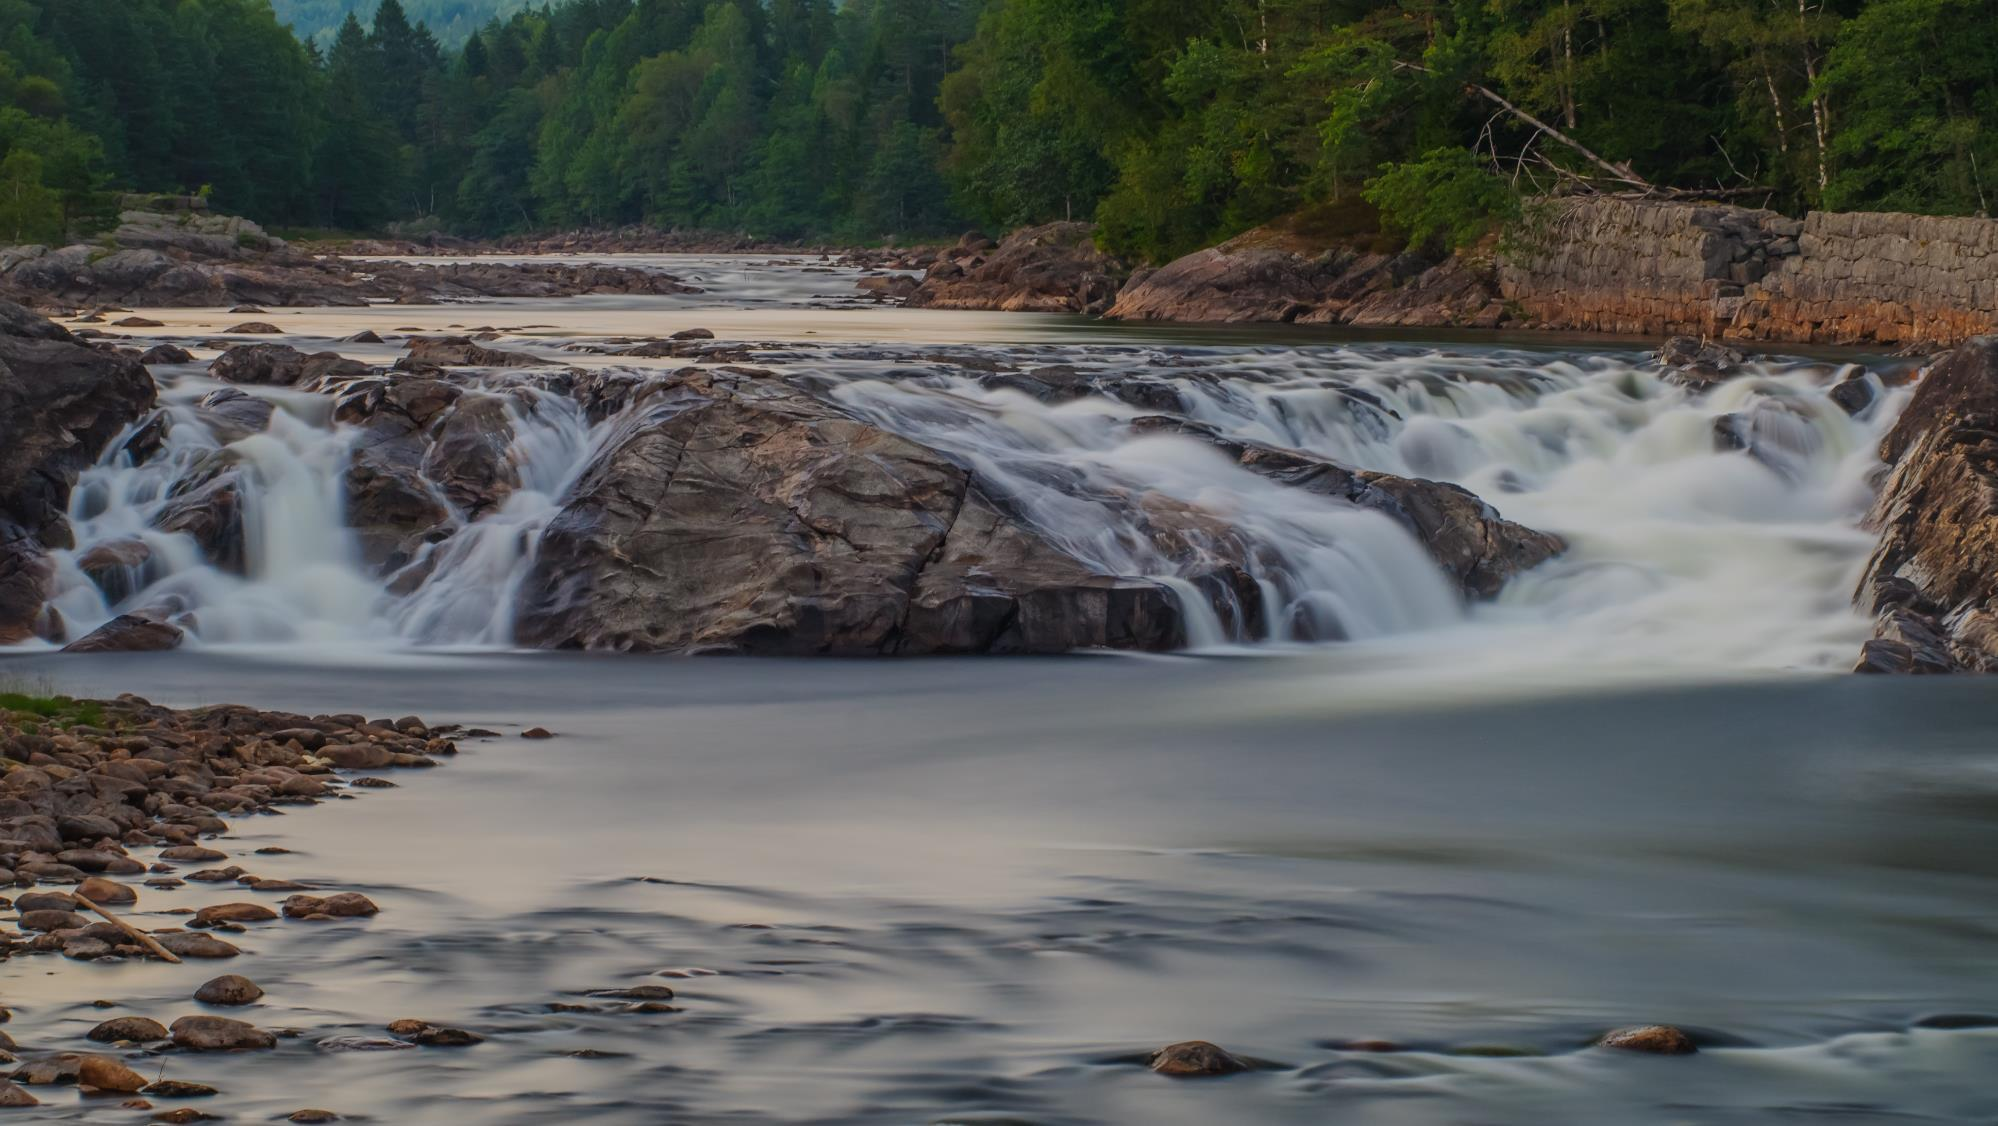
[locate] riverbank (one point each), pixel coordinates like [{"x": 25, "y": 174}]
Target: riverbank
[
  {"x": 107, "y": 811},
  {"x": 1588, "y": 264}
]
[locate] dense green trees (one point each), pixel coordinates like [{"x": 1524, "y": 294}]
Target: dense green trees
[{"x": 1171, "y": 124}]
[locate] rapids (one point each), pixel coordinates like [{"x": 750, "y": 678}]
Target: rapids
[{"x": 1687, "y": 549}]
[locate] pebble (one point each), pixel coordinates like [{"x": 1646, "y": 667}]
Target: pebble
[
  {"x": 1195, "y": 1058},
  {"x": 219, "y": 1034},
  {"x": 229, "y": 989},
  {"x": 137, "y": 1029},
  {"x": 1657, "y": 1039}
]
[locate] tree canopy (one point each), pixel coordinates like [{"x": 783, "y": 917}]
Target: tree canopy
[{"x": 1169, "y": 124}]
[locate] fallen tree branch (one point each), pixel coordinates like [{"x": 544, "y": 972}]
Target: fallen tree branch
[{"x": 144, "y": 939}]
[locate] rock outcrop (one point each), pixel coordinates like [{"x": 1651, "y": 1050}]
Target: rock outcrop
[
  {"x": 61, "y": 403},
  {"x": 1295, "y": 270},
  {"x": 1932, "y": 582},
  {"x": 174, "y": 253},
  {"x": 735, "y": 514},
  {"x": 1055, "y": 268}
]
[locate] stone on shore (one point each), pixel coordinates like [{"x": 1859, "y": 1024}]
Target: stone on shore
[
  {"x": 1054, "y": 268},
  {"x": 345, "y": 905}
]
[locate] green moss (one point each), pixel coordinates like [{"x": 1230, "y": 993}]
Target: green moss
[{"x": 62, "y": 711}]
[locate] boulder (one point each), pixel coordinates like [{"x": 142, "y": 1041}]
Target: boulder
[
  {"x": 460, "y": 351},
  {"x": 229, "y": 989},
  {"x": 736, "y": 514},
  {"x": 280, "y": 365},
  {"x": 1194, "y": 1059},
  {"x": 129, "y": 633},
  {"x": 61, "y": 404},
  {"x": 1655, "y": 1039},
  {"x": 138, "y": 1029}
]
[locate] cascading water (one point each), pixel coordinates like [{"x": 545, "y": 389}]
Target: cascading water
[{"x": 1704, "y": 526}]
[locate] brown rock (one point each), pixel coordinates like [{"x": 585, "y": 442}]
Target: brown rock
[
  {"x": 537, "y": 733},
  {"x": 129, "y": 633},
  {"x": 255, "y": 328},
  {"x": 195, "y": 853},
  {"x": 193, "y": 944},
  {"x": 1194, "y": 1059},
  {"x": 178, "y": 1089},
  {"x": 184, "y": 1114},
  {"x": 1054, "y": 268},
  {"x": 107, "y": 1074},
  {"x": 51, "y": 920},
  {"x": 312, "y": 1115},
  {"x": 138, "y": 1029},
  {"x": 106, "y": 892},
  {"x": 12, "y": 1096},
  {"x": 233, "y": 913},
  {"x": 1657, "y": 1039},
  {"x": 219, "y": 1034},
  {"x": 229, "y": 989},
  {"x": 346, "y": 904}
]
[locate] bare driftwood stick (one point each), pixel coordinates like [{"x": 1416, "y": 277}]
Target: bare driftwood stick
[{"x": 144, "y": 939}]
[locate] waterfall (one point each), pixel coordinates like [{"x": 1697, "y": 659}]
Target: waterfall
[{"x": 1700, "y": 522}]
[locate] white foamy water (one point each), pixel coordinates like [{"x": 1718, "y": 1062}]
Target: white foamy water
[{"x": 1684, "y": 550}]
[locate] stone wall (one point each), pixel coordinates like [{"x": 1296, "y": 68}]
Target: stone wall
[{"x": 1655, "y": 269}]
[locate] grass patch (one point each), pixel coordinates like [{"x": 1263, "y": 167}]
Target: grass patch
[{"x": 37, "y": 702}]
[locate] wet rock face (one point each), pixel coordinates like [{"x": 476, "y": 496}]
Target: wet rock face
[
  {"x": 61, "y": 403},
  {"x": 1933, "y": 580},
  {"x": 1054, "y": 268}
]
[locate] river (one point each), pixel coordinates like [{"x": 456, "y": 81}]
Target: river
[{"x": 1636, "y": 787}]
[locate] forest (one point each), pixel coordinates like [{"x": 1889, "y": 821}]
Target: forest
[{"x": 1169, "y": 124}]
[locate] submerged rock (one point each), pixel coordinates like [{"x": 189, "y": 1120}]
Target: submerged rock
[
  {"x": 1196, "y": 1059},
  {"x": 1656, "y": 1039}
]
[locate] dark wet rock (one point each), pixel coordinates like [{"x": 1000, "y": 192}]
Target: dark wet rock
[
  {"x": 52, "y": 920},
  {"x": 185, "y": 1114},
  {"x": 107, "y": 1074},
  {"x": 424, "y": 1033},
  {"x": 44, "y": 901},
  {"x": 537, "y": 733},
  {"x": 363, "y": 1044},
  {"x": 365, "y": 336},
  {"x": 138, "y": 1029},
  {"x": 229, "y": 989},
  {"x": 195, "y": 853},
  {"x": 1477, "y": 548},
  {"x": 137, "y": 322},
  {"x": 460, "y": 351},
  {"x": 49, "y": 1072},
  {"x": 254, "y": 328},
  {"x": 312, "y": 1114},
  {"x": 215, "y": 875},
  {"x": 637, "y": 993},
  {"x": 194, "y": 945},
  {"x": 1054, "y": 268},
  {"x": 1957, "y": 1022},
  {"x": 207, "y": 506},
  {"x": 166, "y": 354},
  {"x": 233, "y": 913},
  {"x": 178, "y": 1089},
  {"x": 345, "y": 905},
  {"x": 219, "y": 1034},
  {"x": 61, "y": 404},
  {"x": 372, "y": 783},
  {"x": 1656, "y": 1039},
  {"x": 735, "y": 514},
  {"x": 281, "y": 365},
  {"x": 1196, "y": 1059},
  {"x": 1697, "y": 362},
  {"x": 13, "y": 1096},
  {"x": 116, "y": 566},
  {"x": 1854, "y": 394},
  {"x": 129, "y": 633},
  {"x": 1932, "y": 582}
]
